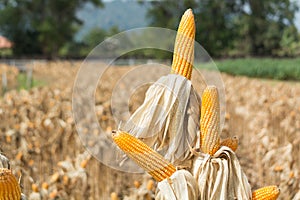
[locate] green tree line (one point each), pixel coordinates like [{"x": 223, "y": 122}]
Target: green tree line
[
  {"x": 236, "y": 27},
  {"x": 225, "y": 28},
  {"x": 40, "y": 27}
]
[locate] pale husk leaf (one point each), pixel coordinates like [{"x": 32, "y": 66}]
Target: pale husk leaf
[
  {"x": 180, "y": 186},
  {"x": 168, "y": 119},
  {"x": 221, "y": 176},
  {"x": 4, "y": 162}
]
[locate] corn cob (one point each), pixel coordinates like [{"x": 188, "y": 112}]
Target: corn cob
[
  {"x": 232, "y": 143},
  {"x": 266, "y": 193},
  {"x": 158, "y": 167},
  {"x": 9, "y": 187},
  {"x": 210, "y": 121},
  {"x": 183, "y": 57}
]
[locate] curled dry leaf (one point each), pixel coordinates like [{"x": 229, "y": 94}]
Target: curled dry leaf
[
  {"x": 168, "y": 119},
  {"x": 221, "y": 176},
  {"x": 4, "y": 162}
]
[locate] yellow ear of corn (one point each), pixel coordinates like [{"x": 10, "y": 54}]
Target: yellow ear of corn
[
  {"x": 9, "y": 187},
  {"x": 183, "y": 57},
  {"x": 152, "y": 162},
  {"x": 210, "y": 121},
  {"x": 232, "y": 143},
  {"x": 266, "y": 193}
]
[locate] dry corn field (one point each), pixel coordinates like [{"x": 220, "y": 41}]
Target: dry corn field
[
  {"x": 8, "y": 77},
  {"x": 38, "y": 135}
]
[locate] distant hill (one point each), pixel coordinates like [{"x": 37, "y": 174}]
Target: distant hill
[{"x": 123, "y": 14}]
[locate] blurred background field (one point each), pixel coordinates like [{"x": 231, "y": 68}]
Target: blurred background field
[
  {"x": 255, "y": 44},
  {"x": 38, "y": 134}
]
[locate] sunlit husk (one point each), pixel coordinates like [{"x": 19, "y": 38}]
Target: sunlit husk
[
  {"x": 181, "y": 185},
  {"x": 221, "y": 176}
]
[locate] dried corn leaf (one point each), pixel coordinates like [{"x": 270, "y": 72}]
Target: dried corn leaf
[
  {"x": 221, "y": 176},
  {"x": 168, "y": 119},
  {"x": 4, "y": 162},
  {"x": 297, "y": 196},
  {"x": 283, "y": 168},
  {"x": 181, "y": 185}
]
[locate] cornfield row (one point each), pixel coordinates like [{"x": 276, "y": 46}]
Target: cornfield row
[{"x": 38, "y": 135}]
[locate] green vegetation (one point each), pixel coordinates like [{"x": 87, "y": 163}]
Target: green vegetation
[
  {"x": 40, "y": 27},
  {"x": 226, "y": 29},
  {"x": 24, "y": 83},
  {"x": 280, "y": 69},
  {"x": 5, "y": 53},
  {"x": 236, "y": 28}
]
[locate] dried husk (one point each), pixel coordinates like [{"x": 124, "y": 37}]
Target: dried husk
[
  {"x": 146, "y": 191},
  {"x": 283, "y": 168},
  {"x": 220, "y": 176},
  {"x": 297, "y": 196},
  {"x": 180, "y": 186},
  {"x": 168, "y": 119},
  {"x": 4, "y": 162}
]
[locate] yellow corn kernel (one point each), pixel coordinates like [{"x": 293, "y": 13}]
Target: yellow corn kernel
[
  {"x": 34, "y": 187},
  {"x": 9, "y": 187},
  {"x": 45, "y": 185},
  {"x": 158, "y": 167},
  {"x": 137, "y": 184},
  {"x": 84, "y": 163},
  {"x": 65, "y": 180},
  {"x": 266, "y": 193},
  {"x": 183, "y": 57},
  {"x": 19, "y": 156},
  {"x": 53, "y": 194},
  {"x": 232, "y": 143},
  {"x": 54, "y": 177},
  {"x": 210, "y": 121},
  {"x": 114, "y": 196},
  {"x": 150, "y": 185}
]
